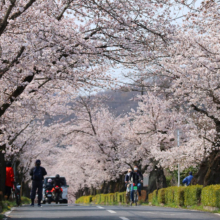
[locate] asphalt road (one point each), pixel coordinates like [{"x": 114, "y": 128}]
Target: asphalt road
[{"x": 75, "y": 212}]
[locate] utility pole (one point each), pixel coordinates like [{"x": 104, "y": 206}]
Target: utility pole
[{"x": 178, "y": 144}]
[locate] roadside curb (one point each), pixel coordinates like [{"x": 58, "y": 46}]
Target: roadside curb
[{"x": 6, "y": 214}]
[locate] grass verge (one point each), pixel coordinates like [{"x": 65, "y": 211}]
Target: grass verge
[{"x": 7, "y": 205}]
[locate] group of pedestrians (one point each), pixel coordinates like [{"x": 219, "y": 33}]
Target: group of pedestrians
[
  {"x": 37, "y": 174},
  {"x": 136, "y": 177}
]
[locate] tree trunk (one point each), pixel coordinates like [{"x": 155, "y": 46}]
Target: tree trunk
[
  {"x": 26, "y": 190},
  {"x": 157, "y": 180},
  {"x": 1, "y": 204},
  {"x": 209, "y": 171},
  {"x": 2, "y": 170}
]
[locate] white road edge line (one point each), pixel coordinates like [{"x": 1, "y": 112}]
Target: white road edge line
[
  {"x": 100, "y": 207},
  {"x": 7, "y": 213},
  {"x": 149, "y": 212},
  {"x": 217, "y": 214},
  {"x": 124, "y": 218},
  {"x": 111, "y": 211}
]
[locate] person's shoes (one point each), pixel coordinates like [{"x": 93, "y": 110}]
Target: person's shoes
[
  {"x": 32, "y": 205},
  {"x": 39, "y": 205}
]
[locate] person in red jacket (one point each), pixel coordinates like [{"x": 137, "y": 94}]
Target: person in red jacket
[{"x": 9, "y": 179}]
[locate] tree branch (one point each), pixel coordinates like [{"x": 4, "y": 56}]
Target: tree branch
[
  {"x": 216, "y": 120},
  {"x": 17, "y": 14},
  {"x": 4, "y": 22},
  {"x": 16, "y": 93},
  {"x": 3, "y": 71}
]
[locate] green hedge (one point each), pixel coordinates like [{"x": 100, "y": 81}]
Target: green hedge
[
  {"x": 188, "y": 196},
  {"x": 103, "y": 198},
  {"x": 154, "y": 194},
  {"x": 178, "y": 194},
  {"x": 155, "y": 200},
  {"x": 110, "y": 198},
  {"x": 150, "y": 197},
  {"x": 97, "y": 199},
  {"x": 84, "y": 199},
  {"x": 169, "y": 195},
  {"x": 192, "y": 195},
  {"x": 211, "y": 196},
  {"x": 161, "y": 195},
  {"x": 122, "y": 196}
]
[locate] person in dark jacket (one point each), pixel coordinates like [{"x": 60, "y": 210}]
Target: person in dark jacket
[
  {"x": 37, "y": 174},
  {"x": 188, "y": 179},
  {"x": 137, "y": 178},
  {"x": 58, "y": 181},
  {"x": 9, "y": 179}
]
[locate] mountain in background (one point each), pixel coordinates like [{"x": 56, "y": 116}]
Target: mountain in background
[{"x": 119, "y": 102}]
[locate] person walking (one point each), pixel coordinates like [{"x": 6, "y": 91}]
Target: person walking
[
  {"x": 37, "y": 174},
  {"x": 127, "y": 177},
  {"x": 188, "y": 179},
  {"x": 9, "y": 179}
]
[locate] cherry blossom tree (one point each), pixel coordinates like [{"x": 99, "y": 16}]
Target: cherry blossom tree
[
  {"x": 194, "y": 66},
  {"x": 86, "y": 142}
]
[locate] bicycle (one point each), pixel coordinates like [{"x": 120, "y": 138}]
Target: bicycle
[
  {"x": 135, "y": 190},
  {"x": 17, "y": 189},
  {"x": 128, "y": 194}
]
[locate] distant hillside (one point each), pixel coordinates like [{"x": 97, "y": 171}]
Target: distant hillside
[{"x": 121, "y": 102}]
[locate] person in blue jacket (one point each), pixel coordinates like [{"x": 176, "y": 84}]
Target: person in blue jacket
[{"x": 188, "y": 179}]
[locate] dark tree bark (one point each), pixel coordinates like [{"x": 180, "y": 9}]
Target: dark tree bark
[
  {"x": 16, "y": 93},
  {"x": 209, "y": 172},
  {"x": 157, "y": 180},
  {"x": 2, "y": 170}
]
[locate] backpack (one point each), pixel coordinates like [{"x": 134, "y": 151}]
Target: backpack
[{"x": 37, "y": 174}]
